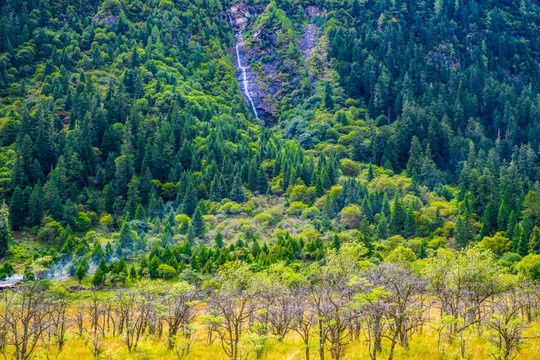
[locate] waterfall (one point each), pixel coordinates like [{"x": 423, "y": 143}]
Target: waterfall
[{"x": 238, "y": 38}]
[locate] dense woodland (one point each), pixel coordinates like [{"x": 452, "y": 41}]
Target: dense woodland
[{"x": 392, "y": 190}]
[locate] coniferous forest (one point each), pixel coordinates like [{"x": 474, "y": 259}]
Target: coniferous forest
[{"x": 269, "y": 179}]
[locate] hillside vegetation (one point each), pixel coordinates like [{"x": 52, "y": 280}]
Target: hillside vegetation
[{"x": 388, "y": 200}]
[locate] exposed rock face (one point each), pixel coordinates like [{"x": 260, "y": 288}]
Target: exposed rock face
[
  {"x": 240, "y": 15},
  {"x": 269, "y": 72}
]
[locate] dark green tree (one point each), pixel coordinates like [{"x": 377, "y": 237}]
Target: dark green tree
[
  {"x": 80, "y": 273},
  {"x": 98, "y": 278},
  {"x": 198, "y": 223},
  {"x": 17, "y": 209},
  {"x": 126, "y": 238},
  {"x": 5, "y": 232},
  {"x": 398, "y": 217}
]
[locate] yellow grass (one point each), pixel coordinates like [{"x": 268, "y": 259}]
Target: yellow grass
[{"x": 422, "y": 346}]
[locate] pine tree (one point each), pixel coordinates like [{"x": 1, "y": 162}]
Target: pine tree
[
  {"x": 398, "y": 217},
  {"x": 383, "y": 232},
  {"x": 370, "y": 175},
  {"x": 126, "y": 238},
  {"x": 191, "y": 235},
  {"x": 237, "y": 193},
  {"x": 215, "y": 189},
  {"x": 140, "y": 213},
  {"x": 103, "y": 265},
  {"x": 336, "y": 242},
  {"x": 36, "y": 205},
  {"x": 219, "y": 240},
  {"x": 198, "y": 223},
  {"x": 328, "y": 101},
  {"x": 534, "y": 241},
  {"x": 463, "y": 234},
  {"x": 262, "y": 181},
  {"x": 57, "y": 208},
  {"x": 17, "y": 209},
  {"x": 523, "y": 245},
  {"x": 98, "y": 278},
  {"x": 97, "y": 251},
  {"x": 414, "y": 165},
  {"x": 80, "y": 273},
  {"x": 252, "y": 175},
  {"x": 5, "y": 230},
  {"x": 410, "y": 224},
  {"x": 190, "y": 200}
]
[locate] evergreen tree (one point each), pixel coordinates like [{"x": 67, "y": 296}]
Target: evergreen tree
[
  {"x": 140, "y": 213},
  {"x": 262, "y": 181},
  {"x": 103, "y": 265},
  {"x": 198, "y": 223},
  {"x": 383, "y": 232},
  {"x": 398, "y": 218},
  {"x": 99, "y": 278},
  {"x": 237, "y": 193},
  {"x": 36, "y": 205},
  {"x": 534, "y": 241},
  {"x": 523, "y": 245},
  {"x": 463, "y": 234},
  {"x": 80, "y": 273},
  {"x": 414, "y": 165},
  {"x": 5, "y": 231},
  {"x": 190, "y": 200},
  {"x": 17, "y": 209},
  {"x": 219, "y": 240},
  {"x": 410, "y": 224},
  {"x": 336, "y": 242},
  {"x": 370, "y": 175},
  {"x": 328, "y": 101},
  {"x": 126, "y": 238}
]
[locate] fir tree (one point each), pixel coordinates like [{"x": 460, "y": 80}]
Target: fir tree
[
  {"x": 36, "y": 205},
  {"x": 99, "y": 278},
  {"x": 383, "y": 232},
  {"x": 237, "y": 193},
  {"x": 190, "y": 200},
  {"x": 17, "y": 209},
  {"x": 398, "y": 217},
  {"x": 463, "y": 234},
  {"x": 219, "y": 240},
  {"x": 198, "y": 223},
  {"x": 410, "y": 224},
  {"x": 5, "y": 230},
  {"x": 80, "y": 273},
  {"x": 126, "y": 239},
  {"x": 534, "y": 241}
]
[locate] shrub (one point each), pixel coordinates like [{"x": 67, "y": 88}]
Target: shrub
[
  {"x": 296, "y": 208},
  {"x": 310, "y": 213},
  {"x": 165, "y": 271},
  {"x": 302, "y": 193},
  {"x": 49, "y": 232},
  {"x": 351, "y": 217},
  {"x": 350, "y": 167},
  {"x": 263, "y": 218}
]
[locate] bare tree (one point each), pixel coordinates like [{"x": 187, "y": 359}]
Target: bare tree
[
  {"x": 96, "y": 312},
  {"x": 26, "y": 315},
  {"x": 405, "y": 304},
  {"x": 136, "y": 307},
  {"x": 508, "y": 324},
  {"x": 178, "y": 310},
  {"x": 234, "y": 303},
  {"x": 59, "y": 304},
  {"x": 303, "y": 317}
]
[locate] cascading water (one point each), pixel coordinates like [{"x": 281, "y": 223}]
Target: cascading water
[{"x": 239, "y": 40}]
